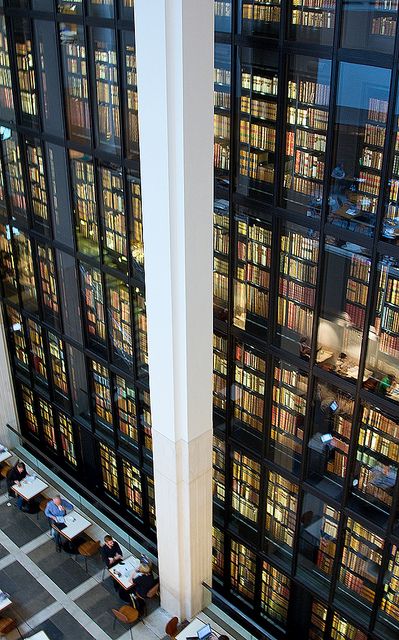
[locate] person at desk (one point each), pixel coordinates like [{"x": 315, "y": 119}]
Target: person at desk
[
  {"x": 55, "y": 511},
  {"x": 111, "y": 552},
  {"x": 304, "y": 349},
  {"x": 15, "y": 476},
  {"x": 142, "y": 581},
  {"x": 387, "y": 384}
]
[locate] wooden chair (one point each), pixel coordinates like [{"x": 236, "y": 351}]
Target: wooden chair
[
  {"x": 4, "y": 469},
  {"x": 7, "y": 625},
  {"x": 171, "y": 628},
  {"x": 126, "y": 615},
  {"x": 88, "y": 549}
]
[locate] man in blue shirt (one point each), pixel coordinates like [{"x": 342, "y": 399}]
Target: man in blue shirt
[{"x": 56, "y": 510}]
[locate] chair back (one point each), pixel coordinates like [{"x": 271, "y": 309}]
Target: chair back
[
  {"x": 120, "y": 616},
  {"x": 171, "y": 627},
  {"x": 153, "y": 591}
]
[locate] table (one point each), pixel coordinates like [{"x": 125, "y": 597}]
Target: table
[
  {"x": 39, "y": 636},
  {"x": 4, "y": 604},
  {"x": 5, "y": 455},
  {"x": 76, "y": 524},
  {"x": 130, "y": 564},
  {"x": 322, "y": 355},
  {"x": 197, "y": 624},
  {"x": 30, "y": 489}
]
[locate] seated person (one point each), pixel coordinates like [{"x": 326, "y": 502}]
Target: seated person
[
  {"x": 304, "y": 349},
  {"x": 15, "y": 476},
  {"x": 142, "y": 581},
  {"x": 56, "y": 510},
  {"x": 383, "y": 476},
  {"x": 342, "y": 364},
  {"x": 111, "y": 552}
]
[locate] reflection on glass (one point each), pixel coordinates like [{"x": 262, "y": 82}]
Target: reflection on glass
[
  {"x": 341, "y": 629},
  {"x": 275, "y": 594},
  {"x": 57, "y": 362},
  {"x": 84, "y": 203},
  {"x": 125, "y": 399},
  {"x": 242, "y": 571},
  {"x": 48, "y": 283},
  {"x": 107, "y": 91},
  {"x": 37, "y": 185},
  {"x": 260, "y": 17},
  {"x": 370, "y": 25},
  {"x": 222, "y": 11},
  {"x": 26, "y": 72},
  {"x": 313, "y": 21},
  {"x": 36, "y": 349},
  {"x": 119, "y": 321},
  {"x": 102, "y": 8},
  {"x": 93, "y": 305},
  {"x": 136, "y": 227},
  {"x": 248, "y": 390},
  {"x": 7, "y": 266},
  {"x": 13, "y": 176},
  {"x": 288, "y": 416},
  {"x": 221, "y": 227},
  {"x": 318, "y": 619},
  {"x": 151, "y": 502},
  {"x": 299, "y": 252},
  {"x": 281, "y": 508},
  {"x": 74, "y": 66},
  {"x": 30, "y": 420},
  {"x": 145, "y": 420},
  {"x": 67, "y": 439},
  {"x": 126, "y": 9},
  {"x": 343, "y": 309},
  {"x": 16, "y": 332},
  {"x": 6, "y": 98},
  {"x": 109, "y": 471},
  {"x": 308, "y": 95},
  {"x": 222, "y": 87},
  {"x": 113, "y": 217},
  {"x": 140, "y": 328},
  {"x": 59, "y": 195},
  {"x": 258, "y": 106},
  {"x": 217, "y": 552},
  {"x": 47, "y": 73},
  {"x": 389, "y": 607},
  {"x": 390, "y": 229},
  {"x": 47, "y": 422},
  {"x": 219, "y": 372},
  {"x": 73, "y": 7},
  {"x": 219, "y": 470},
  {"x": 317, "y": 542},
  {"x": 133, "y": 488},
  {"x": 359, "y": 136},
  {"x": 101, "y": 394},
  {"x": 78, "y": 382},
  {"x": 26, "y": 276},
  {"x": 245, "y": 488},
  {"x": 129, "y": 82}
]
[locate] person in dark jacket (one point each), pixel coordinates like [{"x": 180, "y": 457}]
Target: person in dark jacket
[
  {"x": 15, "y": 476},
  {"x": 142, "y": 581},
  {"x": 111, "y": 552}
]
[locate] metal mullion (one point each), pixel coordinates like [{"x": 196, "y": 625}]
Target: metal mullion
[
  {"x": 279, "y": 157},
  {"x": 119, "y": 50}
]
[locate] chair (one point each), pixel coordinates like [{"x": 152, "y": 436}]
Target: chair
[
  {"x": 152, "y": 593},
  {"x": 7, "y": 625},
  {"x": 4, "y": 469},
  {"x": 126, "y": 615},
  {"x": 88, "y": 549},
  {"x": 171, "y": 628}
]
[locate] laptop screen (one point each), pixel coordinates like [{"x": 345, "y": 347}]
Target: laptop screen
[{"x": 204, "y": 632}]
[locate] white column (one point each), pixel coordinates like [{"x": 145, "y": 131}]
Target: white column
[
  {"x": 174, "y": 48},
  {"x": 8, "y": 411}
]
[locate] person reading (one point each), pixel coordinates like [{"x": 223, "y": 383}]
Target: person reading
[
  {"x": 111, "y": 552},
  {"x": 15, "y": 476},
  {"x": 55, "y": 511}
]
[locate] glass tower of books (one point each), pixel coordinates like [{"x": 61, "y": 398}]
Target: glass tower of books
[
  {"x": 306, "y": 306},
  {"x": 71, "y": 246}
]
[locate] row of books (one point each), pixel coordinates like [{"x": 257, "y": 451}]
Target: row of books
[
  {"x": 252, "y": 165},
  {"x": 374, "y": 135},
  {"x": 370, "y": 183},
  {"x": 221, "y": 100},
  {"x": 259, "y": 108},
  {"x": 307, "y": 139},
  {"x": 222, "y": 8},
  {"x": 309, "y": 92},
  {"x": 260, "y": 84},
  {"x": 222, "y": 76},
  {"x": 302, "y": 247},
  {"x": 371, "y": 158},
  {"x": 221, "y": 156},
  {"x": 377, "y": 110},
  {"x": 250, "y": 380},
  {"x": 248, "y": 402},
  {"x": 309, "y": 165},
  {"x": 343, "y": 630},
  {"x": 256, "y": 135},
  {"x": 356, "y": 291},
  {"x": 308, "y": 117},
  {"x": 390, "y": 320},
  {"x": 286, "y": 421},
  {"x": 366, "y": 486},
  {"x": 377, "y": 442},
  {"x": 275, "y": 593},
  {"x": 298, "y": 292},
  {"x": 221, "y": 126},
  {"x": 258, "y": 12},
  {"x": 249, "y": 359},
  {"x": 313, "y": 19},
  {"x": 258, "y": 254},
  {"x": 384, "y": 26}
]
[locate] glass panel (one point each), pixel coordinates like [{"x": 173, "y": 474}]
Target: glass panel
[
  {"x": 48, "y": 283},
  {"x": 252, "y": 271},
  {"x": 47, "y": 421},
  {"x": 330, "y": 438},
  {"x": 16, "y": 332},
  {"x": 145, "y": 420},
  {"x": 47, "y": 73},
  {"x": 26, "y": 71},
  {"x": 308, "y": 102},
  {"x": 222, "y": 88},
  {"x": 136, "y": 226},
  {"x": 248, "y": 390},
  {"x": 106, "y": 69},
  {"x": 78, "y": 382},
  {"x": 383, "y": 338},
  {"x": 260, "y": 17},
  {"x": 219, "y": 372},
  {"x": 129, "y": 84},
  {"x": 84, "y": 203},
  {"x": 119, "y": 320},
  {"x": 133, "y": 488},
  {"x": 126, "y": 9},
  {"x": 37, "y": 185},
  {"x": 317, "y": 542},
  {"x": 370, "y": 26},
  {"x": 389, "y": 607},
  {"x": 390, "y": 229},
  {"x": 242, "y": 571},
  {"x": 93, "y": 304},
  {"x": 125, "y": 398},
  {"x": 69, "y": 6},
  {"x": 313, "y": 21},
  {"x": 245, "y": 488},
  {"x": 113, "y": 217},
  {"x": 37, "y": 358},
  {"x": 67, "y": 439},
  {"x": 317, "y": 621},
  {"x": 343, "y": 308},
  {"x": 140, "y": 328},
  {"x": 222, "y": 10},
  {"x": 6, "y": 97},
  {"x": 7, "y": 266},
  {"x": 4, "y": 208},
  {"x": 101, "y": 393},
  {"x": 297, "y": 287},
  {"x": 58, "y": 365},
  {"x": 109, "y": 470},
  {"x": 288, "y": 416},
  {"x": 258, "y": 107},
  {"x": 103, "y": 8},
  {"x": 151, "y": 502},
  {"x": 23, "y": 253},
  {"x": 14, "y": 177},
  {"x": 359, "y": 136},
  {"x": 281, "y": 508},
  {"x": 219, "y": 470},
  {"x": 275, "y": 595},
  {"x": 27, "y": 405},
  {"x": 59, "y": 197},
  {"x": 68, "y": 282},
  {"x": 342, "y": 629},
  {"x": 74, "y": 66},
  {"x": 42, "y": 5},
  {"x": 221, "y": 227},
  {"x": 217, "y": 552}
]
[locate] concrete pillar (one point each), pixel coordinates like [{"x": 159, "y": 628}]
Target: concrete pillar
[
  {"x": 174, "y": 48},
  {"x": 8, "y": 411}
]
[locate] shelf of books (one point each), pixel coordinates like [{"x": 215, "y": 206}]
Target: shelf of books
[
  {"x": 101, "y": 391},
  {"x": 217, "y": 553},
  {"x": 140, "y": 328},
  {"x": 14, "y": 177},
  {"x": 328, "y": 539},
  {"x": 133, "y": 488},
  {"x": 297, "y": 285},
  {"x": 6, "y": 97},
  {"x": 222, "y": 13},
  {"x": 151, "y": 502},
  {"x": 37, "y": 183},
  {"x": 341, "y": 629},
  {"x": 221, "y": 118},
  {"x": 125, "y": 401},
  {"x": 38, "y": 360},
  {"x": 386, "y": 315},
  {"x": 249, "y": 389},
  {"x": 360, "y": 562},
  {"x": 390, "y": 229},
  {"x": 107, "y": 90},
  {"x": 275, "y": 594},
  {"x": 281, "y": 509},
  {"x": 219, "y": 372},
  {"x": 48, "y": 283},
  {"x": 7, "y": 265},
  {"x": 383, "y": 21},
  {"x": 146, "y": 419},
  {"x": 219, "y": 470},
  {"x": 252, "y": 272},
  {"x": 70, "y": 6},
  {"x": 389, "y": 606},
  {"x": 67, "y": 439},
  {"x": 119, "y": 320},
  {"x": 101, "y": 8},
  {"x": 27, "y": 405},
  {"x": 113, "y": 217},
  {"x": 260, "y": 17},
  {"x": 242, "y": 571},
  {"x": 308, "y": 98},
  {"x": 356, "y": 291},
  {"x": 340, "y": 428},
  {"x": 136, "y": 232},
  {"x": 245, "y": 488},
  {"x": 26, "y": 274},
  {"x": 109, "y": 470},
  {"x": 16, "y": 332},
  {"x": 93, "y": 300},
  {"x": 47, "y": 423},
  {"x": 25, "y": 69},
  {"x": 221, "y": 228},
  {"x": 288, "y": 415},
  {"x": 131, "y": 95},
  {"x": 258, "y": 113},
  {"x": 74, "y": 65},
  {"x": 84, "y": 203},
  {"x": 318, "y": 619},
  {"x": 58, "y": 365},
  {"x": 377, "y": 457},
  {"x": 313, "y": 21}
]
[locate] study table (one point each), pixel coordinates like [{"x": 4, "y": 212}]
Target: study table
[
  {"x": 5, "y": 454},
  {"x": 30, "y": 488},
  {"x": 4, "y": 602},
  {"x": 75, "y": 525},
  {"x": 39, "y": 636},
  {"x": 195, "y": 625},
  {"x": 126, "y": 569}
]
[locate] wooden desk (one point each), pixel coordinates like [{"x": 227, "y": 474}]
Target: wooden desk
[
  {"x": 197, "y": 624},
  {"x": 30, "y": 489},
  {"x": 130, "y": 564},
  {"x": 322, "y": 355},
  {"x": 5, "y": 455},
  {"x": 75, "y": 525}
]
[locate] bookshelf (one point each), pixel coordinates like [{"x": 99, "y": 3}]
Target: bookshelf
[
  {"x": 146, "y": 420},
  {"x": 151, "y": 502},
  {"x": 125, "y": 400},
  {"x": 389, "y": 606},
  {"x": 217, "y": 552},
  {"x": 343, "y": 630},
  {"x": 245, "y": 488},
  {"x": 221, "y": 250},
  {"x": 221, "y": 119},
  {"x": 7, "y": 265},
  {"x": 48, "y": 283},
  {"x": 222, "y": 13},
  {"x": 14, "y": 176},
  {"x": 299, "y": 252},
  {"x": 16, "y": 332},
  {"x": 328, "y": 540},
  {"x": 101, "y": 393},
  {"x": 26, "y": 276},
  {"x": 258, "y": 113},
  {"x": 249, "y": 389},
  {"x": 30, "y": 420},
  {"x": 288, "y": 415},
  {"x": 119, "y": 320},
  {"x": 107, "y": 90},
  {"x": 37, "y": 184},
  {"x": 281, "y": 508},
  {"x": 391, "y": 209},
  {"x": 260, "y": 17},
  {"x": 6, "y": 97},
  {"x": 70, "y": 6},
  {"x": 383, "y": 346},
  {"x": 58, "y": 365},
  {"x": 275, "y": 594},
  {"x": 242, "y": 571},
  {"x": 136, "y": 231},
  {"x": 25, "y": 70},
  {"x": 133, "y": 488},
  {"x": 308, "y": 98},
  {"x": 38, "y": 361},
  {"x": 112, "y": 209},
  {"x": 131, "y": 94},
  {"x": 67, "y": 439},
  {"x": 74, "y": 67},
  {"x": 219, "y": 470},
  {"x": 356, "y": 290},
  {"x": 318, "y": 619},
  {"x": 93, "y": 303},
  {"x": 84, "y": 203},
  {"x": 313, "y": 21},
  {"x": 252, "y": 272},
  {"x": 109, "y": 470},
  {"x": 101, "y": 8},
  {"x": 360, "y": 562},
  {"x": 140, "y": 327},
  {"x": 338, "y": 424},
  {"x": 219, "y": 371},
  {"x": 47, "y": 423}
]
